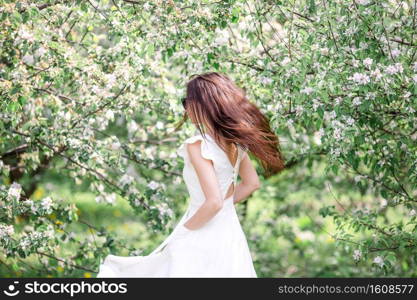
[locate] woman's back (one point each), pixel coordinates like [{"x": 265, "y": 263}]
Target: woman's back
[{"x": 226, "y": 173}]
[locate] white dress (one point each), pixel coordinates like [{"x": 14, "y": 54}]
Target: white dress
[{"x": 217, "y": 249}]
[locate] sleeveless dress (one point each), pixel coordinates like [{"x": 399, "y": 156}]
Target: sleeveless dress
[{"x": 217, "y": 249}]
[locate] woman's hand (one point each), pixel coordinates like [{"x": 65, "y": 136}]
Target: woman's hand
[
  {"x": 250, "y": 180},
  {"x": 186, "y": 227}
]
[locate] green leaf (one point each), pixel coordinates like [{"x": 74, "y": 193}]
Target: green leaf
[
  {"x": 223, "y": 24},
  {"x": 320, "y": 111}
]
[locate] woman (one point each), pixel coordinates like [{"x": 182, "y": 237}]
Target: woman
[{"x": 209, "y": 241}]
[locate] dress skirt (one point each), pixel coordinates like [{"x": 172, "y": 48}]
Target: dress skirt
[{"x": 217, "y": 249}]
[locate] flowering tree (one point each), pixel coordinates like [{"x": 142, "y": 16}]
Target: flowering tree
[{"x": 89, "y": 89}]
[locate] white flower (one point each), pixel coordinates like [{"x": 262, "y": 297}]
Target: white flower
[
  {"x": 111, "y": 79},
  {"x": 367, "y": 61},
  {"x": 391, "y": 70},
  {"x": 413, "y": 213},
  {"x": 41, "y": 51},
  {"x": 6, "y": 230},
  {"x": 356, "y": 101},
  {"x": 358, "y": 178},
  {"x": 395, "y": 52},
  {"x": 221, "y": 40},
  {"x": 66, "y": 116},
  {"x": 159, "y": 125},
  {"x": 95, "y": 89},
  {"x": 137, "y": 202},
  {"x": 338, "y": 134},
  {"x": 126, "y": 179},
  {"x": 307, "y": 90},
  {"x": 363, "y": 2},
  {"x": 99, "y": 199},
  {"x": 376, "y": 74},
  {"x": 115, "y": 146},
  {"x": 14, "y": 191},
  {"x": 9, "y": 229},
  {"x": 153, "y": 185},
  {"x": 28, "y": 59},
  {"x": 320, "y": 132},
  {"x": 357, "y": 255},
  {"x": 324, "y": 51},
  {"x": 31, "y": 204},
  {"x": 383, "y": 203},
  {"x": 36, "y": 235},
  {"x": 394, "y": 69},
  {"x": 110, "y": 198},
  {"x": 110, "y": 115},
  {"x": 74, "y": 143},
  {"x": 360, "y": 78},
  {"x": 379, "y": 261},
  {"x": 132, "y": 126},
  {"x": 316, "y": 104},
  {"x": 49, "y": 233},
  {"x": 99, "y": 187},
  {"x": 26, "y": 35},
  {"x": 146, "y": 6},
  {"x": 164, "y": 209},
  {"x": 350, "y": 121},
  {"x": 299, "y": 110},
  {"x": 265, "y": 80},
  {"x": 363, "y": 45},
  {"x": 132, "y": 190},
  {"x": 318, "y": 135},
  {"x": 381, "y": 162},
  {"x": 406, "y": 95},
  {"x": 290, "y": 122},
  {"x": 306, "y": 236},
  {"x": 335, "y": 152},
  {"x": 47, "y": 203},
  {"x": 24, "y": 243},
  {"x": 285, "y": 61},
  {"x": 222, "y": 37},
  {"x": 351, "y": 30}
]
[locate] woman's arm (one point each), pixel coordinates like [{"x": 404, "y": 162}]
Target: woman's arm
[
  {"x": 209, "y": 184},
  {"x": 250, "y": 180}
]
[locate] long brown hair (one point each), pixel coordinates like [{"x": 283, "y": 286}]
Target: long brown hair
[{"x": 214, "y": 100}]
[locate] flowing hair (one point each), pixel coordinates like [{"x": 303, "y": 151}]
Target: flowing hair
[{"x": 214, "y": 100}]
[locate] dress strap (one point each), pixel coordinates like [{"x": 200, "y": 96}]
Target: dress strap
[
  {"x": 233, "y": 178},
  {"x": 237, "y": 164}
]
